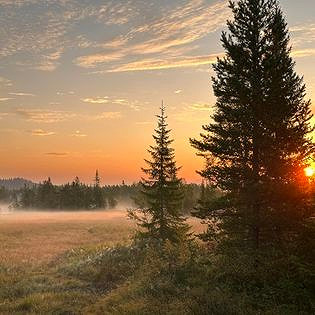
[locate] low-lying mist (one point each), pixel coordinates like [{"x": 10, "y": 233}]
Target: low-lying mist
[{"x": 8, "y": 213}]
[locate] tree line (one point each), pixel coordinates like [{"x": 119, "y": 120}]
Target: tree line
[
  {"x": 74, "y": 195},
  {"x": 77, "y": 195}
]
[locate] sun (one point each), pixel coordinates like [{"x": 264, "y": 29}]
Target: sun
[{"x": 309, "y": 171}]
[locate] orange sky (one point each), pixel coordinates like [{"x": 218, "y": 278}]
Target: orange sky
[{"x": 81, "y": 81}]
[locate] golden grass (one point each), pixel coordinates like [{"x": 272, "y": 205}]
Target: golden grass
[
  {"x": 39, "y": 237},
  {"x": 45, "y": 258}
]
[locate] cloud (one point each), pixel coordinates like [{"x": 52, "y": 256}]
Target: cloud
[
  {"x": 197, "y": 111},
  {"x": 112, "y": 100},
  {"x": 124, "y": 102},
  {"x": 44, "y": 116},
  {"x": 41, "y": 132},
  {"x": 303, "y": 34},
  {"x": 5, "y": 82},
  {"x": 178, "y": 91},
  {"x": 4, "y": 99},
  {"x": 36, "y": 33},
  {"x": 169, "y": 35},
  {"x": 183, "y": 25},
  {"x": 121, "y": 101},
  {"x": 300, "y": 53},
  {"x": 199, "y": 107},
  {"x": 92, "y": 61},
  {"x": 21, "y": 94},
  {"x": 17, "y": 3},
  {"x": 33, "y": 40},
  {"x": 96, "y": 100},
  {"x": 3, "y": 115},
  {"x": 57, "y": 153},
  {"x": 79, "y": 134},
  {"x": 107, "y": 115},
  {"x": 144, "y": 123},
  {"x": 60, "y": 93},
  {"x": 50, "y": 61},
  {"x": 158, "y": 64}
]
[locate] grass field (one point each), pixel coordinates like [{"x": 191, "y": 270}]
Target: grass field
[
  {"x": 38, "y": 237},
  {"x": 48, "y": 259}
]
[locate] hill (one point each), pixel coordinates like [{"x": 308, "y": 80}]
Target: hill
[{"x": 15, "y": 183}]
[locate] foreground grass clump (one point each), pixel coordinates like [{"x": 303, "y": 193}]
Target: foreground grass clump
[
  {"x": 32, "y": 291},
  {"x": 186, "y": 279}
]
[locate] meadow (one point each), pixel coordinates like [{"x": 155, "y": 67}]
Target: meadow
[{"x": 50, "y": 261}]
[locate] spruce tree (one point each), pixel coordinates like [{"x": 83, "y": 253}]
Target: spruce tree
[
  {"x": 158, "y": 215},
  {"x": 98, "y": 196},
  {"x": 258, "y": 143}
]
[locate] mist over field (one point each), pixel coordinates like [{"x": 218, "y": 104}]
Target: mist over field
[{"x": 5, "y": 209}]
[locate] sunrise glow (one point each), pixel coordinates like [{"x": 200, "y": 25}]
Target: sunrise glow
[
  {"x": 84, "y": 94},
  {"x": 309, "y": 171}
]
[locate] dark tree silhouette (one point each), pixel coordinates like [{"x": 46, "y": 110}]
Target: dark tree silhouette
[
  {"x": 257, "y": 145},
  {"x": 159, "y": 214},
  {"x": 98, "y": 195}
]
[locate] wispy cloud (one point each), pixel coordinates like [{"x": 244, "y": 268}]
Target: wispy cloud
[
  {"x": 158, "y": 64},
  {"x": 79, "y": 134},
  {"x": 92, "y": 61},
  {"x": 196, "y": 111},
  {"x": 21, "y": 94},
  {"x": 169, "y": 35},
  {"x": 57, "y": 153},
  {"x": 96, "y": 100},
  {"x": 44, "y": 116},
  {"x": 300, "y": 53},
  {"x": 3, "y": 115},
  {"x": 144, "y": 123},
  {"x": 41, "y": 30},
  {"x": 303, "y": 34},
  {"x": 199, "y": 107},
  {"x": 178, "y": 91},
  {"x": 50, "y": 62},
  {"x": 303, "y": 38},
  {"x": 5, "y": 82},
  {"x": 4, "y": 99},
  {"x": 134, "y": 104},
  {"x": 41, "y": 133},
  {"x": 39, "y": 33},
  {"x": 107, "y": 115}
]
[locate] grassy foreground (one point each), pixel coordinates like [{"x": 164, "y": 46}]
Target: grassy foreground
[
  {"x": 84, "y": 263},
  {"x": 42, "y": 256},
  {"x": 62, "y": 262}
]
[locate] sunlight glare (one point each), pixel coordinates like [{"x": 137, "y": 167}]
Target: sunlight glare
[{"x": 309, "y": 171}]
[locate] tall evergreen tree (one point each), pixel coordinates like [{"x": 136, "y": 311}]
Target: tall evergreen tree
[
  {"x": 47, "y": 195},
  {"x": 258, "y": 141},
  {"x": 98, "y": 196},
  {"x": 159, "y": 215},
  {"x": 97, "y": 179}
]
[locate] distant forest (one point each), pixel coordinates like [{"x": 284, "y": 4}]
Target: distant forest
[
  {"x": 24, "y": 194},
  {"x": 15, "y": 183}
]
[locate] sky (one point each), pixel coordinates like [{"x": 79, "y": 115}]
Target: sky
[{"x": 82, "y": 81}]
